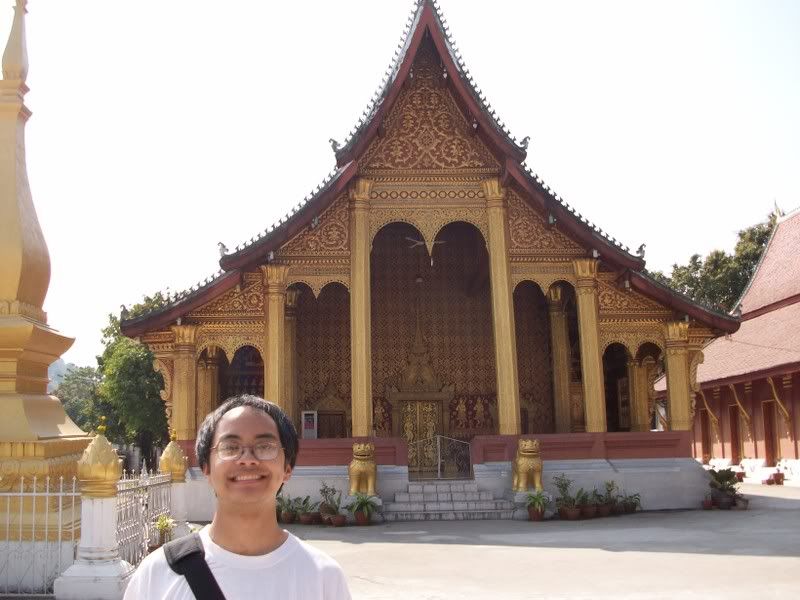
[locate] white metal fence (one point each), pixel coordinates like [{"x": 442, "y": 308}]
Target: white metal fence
[
  {"x": 141, "y": 499},
  {"x": 39, "y": 532}
]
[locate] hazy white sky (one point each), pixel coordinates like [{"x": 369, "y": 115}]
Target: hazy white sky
[{"x": 161, "y": 127}]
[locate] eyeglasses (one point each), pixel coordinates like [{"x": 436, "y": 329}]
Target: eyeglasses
[{"x": 235, "y": 450}]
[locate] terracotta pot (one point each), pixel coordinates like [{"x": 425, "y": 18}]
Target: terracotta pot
[
  {"x": 306, "y": 519},
  {"x": 316, "y": 518},
  {"x": 630, "y": 507},
  {"x": 778, "y": 478},
  {"x": 741, "y": 504},
  {"x": 708, "y": 504},
  {"x": 573, "y": 514},
  {"x": 535, "y": 514},
  {"x": 287, "y": 517},
  {"x": 325, "y": 518},
  {"x": 617, "y": 508},
  {"x": 338, "y": 520},
  {"x": 588, "y": 511},
  {"x": 603, "y": 510},
  {"x": 740, "y": 476},
  {"x": 362, "y": 518},
  {"x": 725, "y": 502}
]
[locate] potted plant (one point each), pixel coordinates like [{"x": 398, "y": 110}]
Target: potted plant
[
  {"x": 565, "y": 501},
  {"x": 164, "y": 526},
  {"x": 287, "y": 510},
  {"x": 778, "y": 476},
  {"x": 326, "y": 506},
  {"x": 362, "y": 508},
  {"x": 306, "y": 511},
  {"x": 537, "y": 503},
  {"x": 337, "y": 519},
  {"x": 631, "y": 502},
  {"x": 724, "y": 484},
  {"x": 609, "y": 499},
  {"x": 740, "y": 502},
  {"x": 584, "y": 501},
  {"x": 708, "y": 503}
]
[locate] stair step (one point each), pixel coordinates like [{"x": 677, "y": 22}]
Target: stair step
[{"x": 478, "y": 515}]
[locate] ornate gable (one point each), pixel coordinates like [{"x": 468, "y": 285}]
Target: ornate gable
[
  {"x": 425, "y": 131},
  {"x": 530, "y": 235},
  {"x": 329, "y": 236},
  {"x": 245, "y": 302}
]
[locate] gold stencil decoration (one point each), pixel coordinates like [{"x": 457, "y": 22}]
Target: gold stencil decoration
[
  {"x": 425, "y": 130},
  {"x": 329, "y": 235},
  {"x": 530, "y": 234},
  {"x": 613, "y": 300},
  {"x": 245, "y": 302}
]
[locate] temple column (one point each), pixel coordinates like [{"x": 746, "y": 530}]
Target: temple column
[
  {"x": 559, "y": 349},
  {"x": 275, "y": 319},
  {"x": 207, "y": 384},
  {"x": 505, "y": 341},
  {"x": 184, "y": 389},
  {"x": 360, "y": 309},
  {"x": 290, "y": 356},
  {"x": 594, "y": 395},
  {"x": 678, "y": 401},
  {"x": 637, "y": 385}
]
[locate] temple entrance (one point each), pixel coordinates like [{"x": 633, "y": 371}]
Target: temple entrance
[
  {"x": 244, "y": 375},
  {"x": 770, "y": 434},
  {"x": 615, "y": 371}
]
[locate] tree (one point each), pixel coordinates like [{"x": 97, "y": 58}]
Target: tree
[
  {"x": 720, "y": 278},
  {"x": 78, "y": 392}
]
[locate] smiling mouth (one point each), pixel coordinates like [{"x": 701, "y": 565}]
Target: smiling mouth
[{"x": 251, "y": 477}]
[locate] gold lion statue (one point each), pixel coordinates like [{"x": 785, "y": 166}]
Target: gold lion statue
[
  {"x": 362, "y": 469},
  {"x": 527, "y": 466}
]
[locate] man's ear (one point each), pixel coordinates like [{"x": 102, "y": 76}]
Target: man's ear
[
  {"x": 206, "y": 469},
  {"x": 287, "y": 472}
]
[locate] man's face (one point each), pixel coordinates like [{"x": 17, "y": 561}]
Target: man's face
[{"x": 247, "y": 480}]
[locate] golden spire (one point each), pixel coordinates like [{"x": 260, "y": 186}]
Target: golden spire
[
  {"x": 15, "y": 57},
  {"x": 173, "y": 460}
]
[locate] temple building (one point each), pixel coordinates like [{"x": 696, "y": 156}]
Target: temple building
[
  {"x": 432, "y": 285},
  {"x": 749, "y": 382}
]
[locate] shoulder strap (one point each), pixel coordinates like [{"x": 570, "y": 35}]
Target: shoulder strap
[{"x": 185, "y": 556}]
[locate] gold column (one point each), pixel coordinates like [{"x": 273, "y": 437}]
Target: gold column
[
  {"x": 360, "y": 309},
  {"x": 559, "y": 349},
  {"x": 594, "y": 395},
  {"x": 274, "y": 303},
  {"x": 290, "y": 357},
  {"x": 505, "y": 340},
  {"x": 207, "y": 384},
  {"x": 678, "y": 401},
  {"x": 184, "y": 389},
  {"x": 637, "y": 385}
]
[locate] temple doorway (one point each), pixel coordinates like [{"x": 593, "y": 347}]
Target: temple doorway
[{"x": 244, "y": 375}]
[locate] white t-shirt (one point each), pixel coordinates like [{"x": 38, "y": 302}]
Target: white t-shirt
[{"x": 293, "y": 571}]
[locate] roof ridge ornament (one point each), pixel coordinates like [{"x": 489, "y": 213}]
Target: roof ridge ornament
[{"x": 15, "y": 56}]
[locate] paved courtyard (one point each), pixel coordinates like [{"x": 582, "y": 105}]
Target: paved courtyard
[{"x": 682, "y": 554}]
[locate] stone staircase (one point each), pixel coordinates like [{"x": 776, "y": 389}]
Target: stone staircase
[{"x": 446, "y": 501}]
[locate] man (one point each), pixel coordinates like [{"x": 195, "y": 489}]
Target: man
[{"x": 247, "y": 449}]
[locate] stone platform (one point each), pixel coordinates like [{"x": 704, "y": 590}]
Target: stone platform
[{"x": 457, "y": 500}]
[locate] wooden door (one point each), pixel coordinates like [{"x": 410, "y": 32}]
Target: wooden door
[
  {"x": 770, "y": 433},
  {"x": 331, "y": 424},
  {"x": 421, "y": 422},
  {"x": 705, "y": 437},
  {"x": 736, "y": 440}
]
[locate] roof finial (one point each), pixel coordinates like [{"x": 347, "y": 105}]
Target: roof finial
[{"x": 15, "y": 57}]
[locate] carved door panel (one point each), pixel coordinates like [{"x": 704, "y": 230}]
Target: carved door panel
[
  {"x": 331, "y": 425},
  {"x": 421, "y": 421}
]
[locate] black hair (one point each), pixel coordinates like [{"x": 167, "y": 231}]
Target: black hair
[{"x": 286, "y": 430}]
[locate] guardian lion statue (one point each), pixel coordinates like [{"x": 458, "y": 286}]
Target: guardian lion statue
[
  {"x": 362, "y": 469},
  {"x": 527, "y": 466}
]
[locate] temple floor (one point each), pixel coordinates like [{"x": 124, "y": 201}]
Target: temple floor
[{"x": 674, "y": 554}]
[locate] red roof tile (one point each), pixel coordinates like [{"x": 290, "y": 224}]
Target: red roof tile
[{"x": 778, "y": 274}]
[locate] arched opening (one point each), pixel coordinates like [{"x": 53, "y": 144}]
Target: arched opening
[
  {"x": 650, "y": 361},
  {"x": 432, "y": 340},
  {"x": 244, "y": 374},
  {"x": 617, "y": 387},
  {"x": 211, "y": 364},
  {"x": 323, "y": 358},
  {"x": 534, "y": 359}
]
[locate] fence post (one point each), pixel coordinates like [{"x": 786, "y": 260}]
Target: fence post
[
  {"x": 98, "y": 572},
  {"x": 174, "y": 462}
]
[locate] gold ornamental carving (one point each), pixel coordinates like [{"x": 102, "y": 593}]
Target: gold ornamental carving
[
  {"x": 614, "y": 301},
  {"x": 530, "y": 235},
  {"x": 632, "y": 334},
  {"x": 363, "y": 472},
  {"x": 787, "y": 418},
  {"x": 429, "y": 220},
  {"x": 164, "y": 366},
  {"x": 99, "y": 469},
  {"x": 230, "y": 336},
  {"x": 173, "y": 460},
  {"x": 527, "y": 467},
  {"x": 243, "y": 302},
  {"x": 425, "y": 130},
  {"x": 329, "y": 234}
]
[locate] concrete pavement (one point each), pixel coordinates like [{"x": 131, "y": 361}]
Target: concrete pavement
[{"x": 650, "y": 555}]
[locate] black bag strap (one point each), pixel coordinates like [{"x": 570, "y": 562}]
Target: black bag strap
[{"x": 185, "y": 556}]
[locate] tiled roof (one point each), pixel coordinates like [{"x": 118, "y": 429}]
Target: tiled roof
[{"x": 777, "y": 276}]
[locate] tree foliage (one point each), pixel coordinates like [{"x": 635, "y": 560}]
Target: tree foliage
[{"x": 720, "y": 278}]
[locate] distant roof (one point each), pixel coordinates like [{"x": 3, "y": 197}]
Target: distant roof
[{"x": 777, "y": 277}]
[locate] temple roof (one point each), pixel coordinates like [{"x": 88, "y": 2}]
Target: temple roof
[{"x": 426, "y": 19}]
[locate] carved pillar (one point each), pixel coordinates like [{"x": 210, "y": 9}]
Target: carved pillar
[
  {"x": 207, "y": 384},
  {"x": 678, "y": 401},
  {"x": 360, "y": 308},
  {"x": 594, "y": 395},
  {"x": 184, "y": 388},
  {"x": 638, "y": 383},
  {"x": 559, "y": 348},
  {"x": 274, "y": 304},
  {"x": 290, "y": 356},
  {"x": 505, "y": 340}
]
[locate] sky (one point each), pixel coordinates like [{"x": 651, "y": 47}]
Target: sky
[{"x": 161, "y": 127}]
